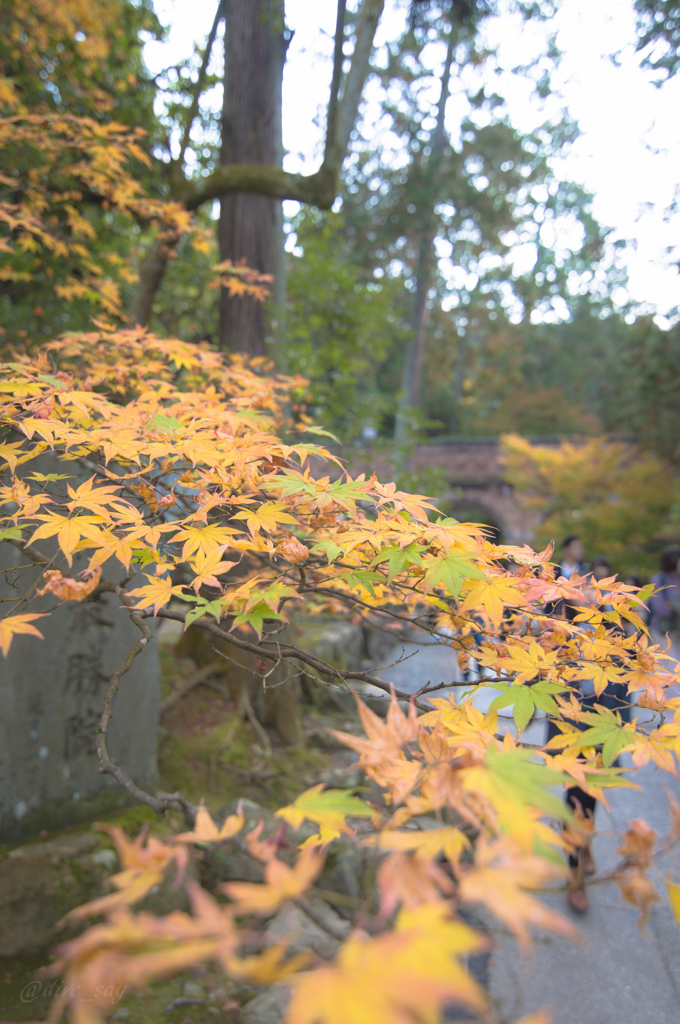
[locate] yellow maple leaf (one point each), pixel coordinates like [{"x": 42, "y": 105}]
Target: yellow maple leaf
[
  {"x": 492, "y": 595},
  {"x": 206, "y": 831},
  {"x": 267, "y": 517},
  {"x": 406, "y": 975},
  {"x": 205, "y": 539},
  {"x": 208, "y": 567},
  {"x": 500, "y": 878},
  {"x": 156, "y": 593},
  {"x": 281, "y": 883},
  {"x": 13, "y": 624}
]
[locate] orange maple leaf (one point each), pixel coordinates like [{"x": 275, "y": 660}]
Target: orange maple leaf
[{"x": 69, "y": 589}]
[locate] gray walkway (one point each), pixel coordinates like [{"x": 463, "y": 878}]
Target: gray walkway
[{"x": 616, "y": 974}]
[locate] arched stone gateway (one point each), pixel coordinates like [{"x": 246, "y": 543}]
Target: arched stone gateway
[{"x": 477, "y": 490}]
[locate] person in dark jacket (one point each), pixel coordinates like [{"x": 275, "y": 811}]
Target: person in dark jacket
[
  {"x": 583, "y": 805},
  {"x": 572, "y": 557}
]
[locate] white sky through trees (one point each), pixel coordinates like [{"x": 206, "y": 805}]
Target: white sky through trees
[{"x": 628, "y": 155}]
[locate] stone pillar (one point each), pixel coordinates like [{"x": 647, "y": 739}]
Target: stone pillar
[{"x": 51, "y": 694}]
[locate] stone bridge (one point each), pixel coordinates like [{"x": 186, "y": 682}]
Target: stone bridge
[{"x": 476, "y": 489}]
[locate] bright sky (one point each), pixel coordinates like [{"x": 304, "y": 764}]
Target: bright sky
[{"x": 629, "y": 151}]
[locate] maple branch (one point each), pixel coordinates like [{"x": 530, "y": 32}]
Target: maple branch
[
  {"x": 36, "y": 556},
  {"x": 162, "y": 801},
  {"x": 289, "y": 651}
]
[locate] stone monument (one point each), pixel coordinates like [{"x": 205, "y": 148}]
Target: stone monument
[{"x": 51, "y": 694}]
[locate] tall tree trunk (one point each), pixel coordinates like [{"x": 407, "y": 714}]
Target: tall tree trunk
[
  {"x": 250, "y": 226},
  {"x": 413, "y": 367}
]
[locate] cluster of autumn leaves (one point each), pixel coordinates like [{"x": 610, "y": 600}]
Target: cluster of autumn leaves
[{"x": 174, "y": 476}]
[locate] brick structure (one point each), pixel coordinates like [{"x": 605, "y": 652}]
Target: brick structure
[{"x": 477, "y": 490}]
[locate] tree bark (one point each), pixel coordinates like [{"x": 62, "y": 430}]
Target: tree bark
[
  {"x": 250, "y": 225},
  {"x": 248, "y": 173},
  {"x": 413, "y": 367}
]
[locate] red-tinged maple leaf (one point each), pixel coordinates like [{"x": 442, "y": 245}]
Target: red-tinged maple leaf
[
  {"x": 264, "y": 849},
  {"x": 281, "y": 883},
  {"x": 13, "y": 624},
  {"x": 525, "y": 555},
  {"x": 206, "y": 831},
  {"x": 130, "y": 950},
  {"x": 407, "y": 975},
  {"x": 658, "y": 747},
  {"x": 652, "y": 701},
  {"x": 406, "y": 880},
  {"x": 69, "y": 589},
  {"x": 415, "y": 504}
]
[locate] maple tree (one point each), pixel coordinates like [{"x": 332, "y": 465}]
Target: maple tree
[
  {"x": 617, "y": 497},
  {"x": 203, "y": 503},
  {"x": 185, "y": 488}
]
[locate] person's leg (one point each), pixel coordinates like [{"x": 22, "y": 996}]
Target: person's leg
[{"x": 581, "y": 863}]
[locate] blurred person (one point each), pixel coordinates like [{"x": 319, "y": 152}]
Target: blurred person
[
  {"x": 665, "y": 605},
  {"x": 641, "y": 610},
  {"x": 572, "y": 557},
  {"x": 583, "y": 805},
  {"x": 601, "y": 568},
  {"x": 664, "y": 608},
  {"x": 615, "y": 696}
]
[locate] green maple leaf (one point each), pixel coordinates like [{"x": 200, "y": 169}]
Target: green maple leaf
[
  {"x": 164, "y": 424},
  {"x": 451, "y": 571},
  {"x": 522, "y": 778},
  {"x": 256, "y": 617},
  {"x": 363, "y": 578},
  {"x": 399, "y": 559}
]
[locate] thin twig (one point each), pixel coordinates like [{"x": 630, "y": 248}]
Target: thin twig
[
  {"x": 162, "y": 801},
  {"x": 289, "y": 651}
]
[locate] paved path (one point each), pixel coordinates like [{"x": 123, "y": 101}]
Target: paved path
[{"x": 616, "y": 974}]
